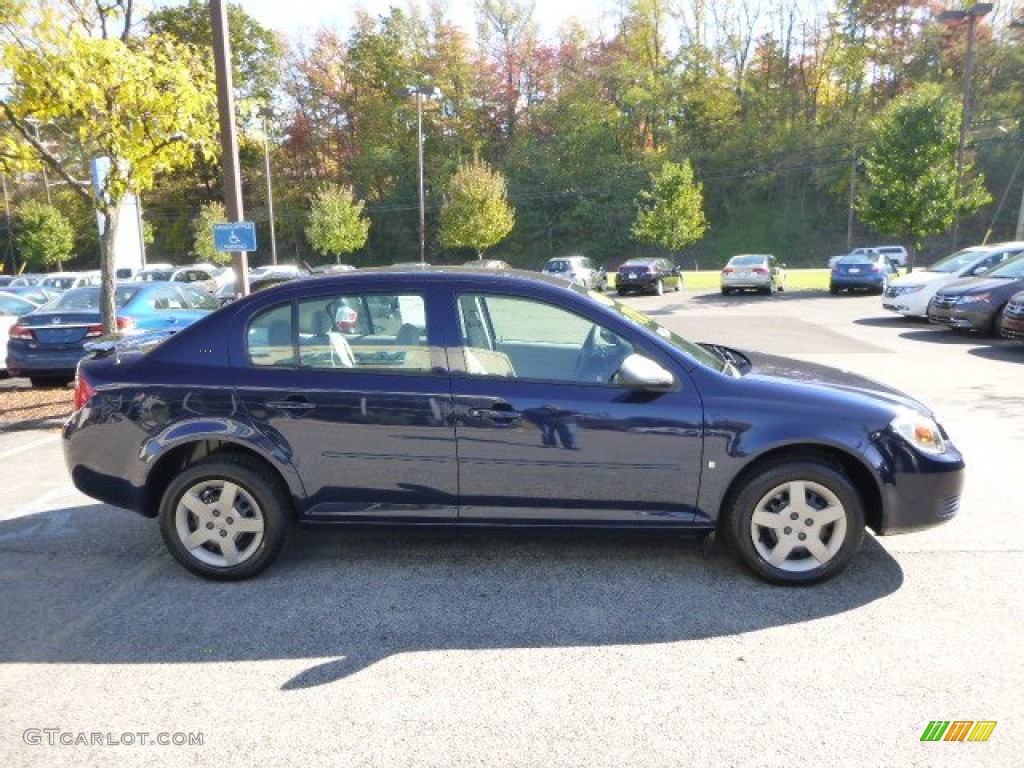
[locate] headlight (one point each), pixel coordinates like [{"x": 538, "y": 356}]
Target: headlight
[
  {"x": 974, "y": 298},
  {"x": 921, "y": 432},
  {"x": 910, "y": 289}
]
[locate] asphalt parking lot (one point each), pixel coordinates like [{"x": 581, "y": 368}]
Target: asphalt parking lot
[{"x": 519, "y": 649}]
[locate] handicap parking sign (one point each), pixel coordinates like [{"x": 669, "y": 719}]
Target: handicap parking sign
[{"x": 234, "y": 236}]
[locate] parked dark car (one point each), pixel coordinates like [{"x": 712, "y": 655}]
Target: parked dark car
[
  {"x": 870, "y": 271},
  {"x": 47, "y": 344},
  {"x": 975, "y": 303},
  {"x": 494, "y": 398},
  {"x": 648, "y": 276},
  {"x": 1011, "y": 322}
]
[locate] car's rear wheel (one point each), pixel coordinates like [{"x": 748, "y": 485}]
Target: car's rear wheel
[
  {"x": 796, "y": 522},
  {"x": 833, "y": 290},
  {"x": 224, "y": 518},
  {"x": 726, "y": 291}
]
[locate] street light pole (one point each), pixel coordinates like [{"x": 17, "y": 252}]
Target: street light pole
[
  {"x": 421, "y": 92},
  {"x": 270, "y": 190},
  {"x": 955, "y": 18},
  {"x": 423, "y": 208}
]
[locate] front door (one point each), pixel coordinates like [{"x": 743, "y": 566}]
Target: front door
[{"x": 545, "y": 436}]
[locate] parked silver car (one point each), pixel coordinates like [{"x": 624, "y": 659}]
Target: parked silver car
[
  {"x": 759, "y": 272},
  {"x": 578, "y": 269}
]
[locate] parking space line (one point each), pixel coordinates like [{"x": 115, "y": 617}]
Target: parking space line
[{"x": 27, "y": 446}]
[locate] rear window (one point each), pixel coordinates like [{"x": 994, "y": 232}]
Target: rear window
[
  {"x": 558, "y": 265},
  {"x": 87, "y": 299},
  {"x": 747, "y": 261}
]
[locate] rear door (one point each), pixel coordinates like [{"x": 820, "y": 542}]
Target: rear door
[{"x": 353, "y": 387}]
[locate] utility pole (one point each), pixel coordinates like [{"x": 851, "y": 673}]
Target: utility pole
[
  {"x": 270, "y": 189},
  {"x": 228, "y": 135}
]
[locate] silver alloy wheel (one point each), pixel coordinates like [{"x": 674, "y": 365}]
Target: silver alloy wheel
[
  {"x": 219, "y": 523},
  {"x": 798, "y": 526}
]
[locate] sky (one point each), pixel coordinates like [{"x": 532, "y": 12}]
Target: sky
[{"x": 299, "y": 18}]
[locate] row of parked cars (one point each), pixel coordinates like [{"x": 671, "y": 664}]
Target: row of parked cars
[{"x": 980, "y": 288}]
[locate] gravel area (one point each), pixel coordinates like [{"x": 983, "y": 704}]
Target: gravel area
[{"x": 26, "y": 407}]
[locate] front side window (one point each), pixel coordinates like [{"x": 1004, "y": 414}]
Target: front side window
[{"x": 511, "y": 337}]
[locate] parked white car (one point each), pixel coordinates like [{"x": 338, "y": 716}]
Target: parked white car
[
  {"x": 11, "y": 308},
  {"x": 64, "y": 281},
  {"x": 909, "y": 295}
]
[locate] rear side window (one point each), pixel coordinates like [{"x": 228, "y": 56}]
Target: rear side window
[{"x": 371, "y": 332}]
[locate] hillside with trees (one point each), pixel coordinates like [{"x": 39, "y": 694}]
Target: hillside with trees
[{"x": 781, "y": 110}]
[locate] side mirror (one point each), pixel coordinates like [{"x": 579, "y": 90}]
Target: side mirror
[{"x": 639, "y": 372}]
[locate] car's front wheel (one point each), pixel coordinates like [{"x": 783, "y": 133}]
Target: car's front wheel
[
  {"x": 224, "y": 518},
  {"x": 796, "y": 522},
  {"x": 659, "y": 288}
]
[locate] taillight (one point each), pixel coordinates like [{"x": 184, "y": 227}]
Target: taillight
[
  {"x": 728, "y": 271},
  {"x": 19, "y": 331},
  {"x": 123, "y": 324},
  {"x": 83, "y": 389},
  {"x": 876, "y": 268},
  {"x": 760, "y": 271}
]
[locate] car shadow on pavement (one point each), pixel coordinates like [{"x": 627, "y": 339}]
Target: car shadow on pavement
[
  {"x": 93, "y": 584},
  {"x": 716, "y": 299}
]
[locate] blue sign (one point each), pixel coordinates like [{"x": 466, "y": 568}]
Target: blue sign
[{"x": 235, "y": 236}]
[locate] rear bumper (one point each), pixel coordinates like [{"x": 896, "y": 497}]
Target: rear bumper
[
  {"x": 866, "y": 283},
  {"x": 25, "y": 361}
]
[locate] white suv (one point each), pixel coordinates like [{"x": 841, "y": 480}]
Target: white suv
[{"x": 578, "y": 269}]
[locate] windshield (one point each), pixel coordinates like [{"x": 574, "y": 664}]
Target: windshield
[
  {"x": 698, "y": 353},
  {"x": 957, "y": 261},
  {"x": 1012, "y": 269},
  {"x": 88, "y": 299},
  {"x": 557, "y": 266}
]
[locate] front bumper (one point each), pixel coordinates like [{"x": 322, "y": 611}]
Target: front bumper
[
  {"x": 962, "y": 319},
  {"x": 918, "y": 491}
]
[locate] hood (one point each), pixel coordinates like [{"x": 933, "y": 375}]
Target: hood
[
  {"x": 918, "y": 277},
  {"x": 970, "y": 285},
  {"x": 824, "y": 378}
]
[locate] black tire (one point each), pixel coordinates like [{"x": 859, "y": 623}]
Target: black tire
[
  {"x": 621, "y": 292},
  {"x": 759, "y": 522},
  {"x": 49, "y": 382},
  {"x": 261, "y": 503},
  {"x": 659, "y": 288},
  {"x": 726, "y": 291},
  {"x": 679, "y": 284},
  {"x": 833, "y": 290}
]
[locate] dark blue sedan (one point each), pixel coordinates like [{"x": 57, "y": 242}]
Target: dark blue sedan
[
  {"x": 494, "y": 398},
  {"x": 47, "y": 344}
]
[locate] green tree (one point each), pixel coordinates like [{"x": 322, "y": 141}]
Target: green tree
[
  {"x": 672, "y": 213},
  {"x": 336, "y": 221},
  {"x": 145, "y": 104},
  {"x": 476, "y": 212},
  {"x": 46, "y": 236},
  {"x": 202, "y": 232},
  {"x": 910, "y": 166}
]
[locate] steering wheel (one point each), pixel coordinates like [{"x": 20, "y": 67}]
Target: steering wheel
[{"x": 600, "y": 356}]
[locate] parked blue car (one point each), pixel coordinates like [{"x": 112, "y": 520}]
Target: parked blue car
[
  {"x": 47, "y": 344},
  {"x": 862, "y": 272},
  {"x": 486, "y": 397}
]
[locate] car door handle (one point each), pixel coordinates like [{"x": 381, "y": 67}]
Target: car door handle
[{"x": 291, "y": 404}]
